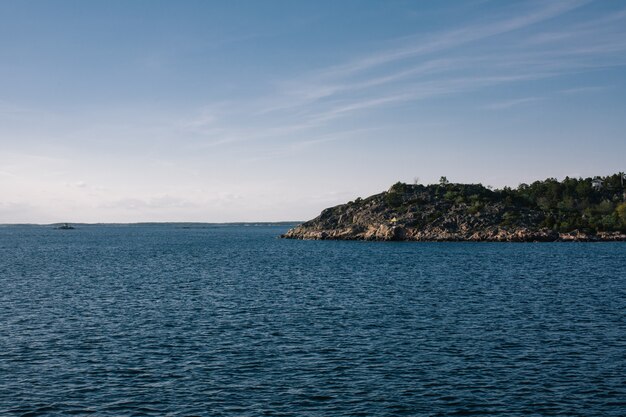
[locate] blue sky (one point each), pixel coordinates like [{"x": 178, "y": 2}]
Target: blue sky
[{"x": 124, "y": 111}]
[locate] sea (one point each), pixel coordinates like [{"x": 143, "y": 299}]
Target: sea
[{"x": 231, "y": 320}]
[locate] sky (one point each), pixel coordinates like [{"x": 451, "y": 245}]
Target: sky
[{"x": 225, "y": 111}]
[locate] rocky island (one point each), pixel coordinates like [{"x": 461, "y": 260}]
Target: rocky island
[{"x": 590, "y": 209}]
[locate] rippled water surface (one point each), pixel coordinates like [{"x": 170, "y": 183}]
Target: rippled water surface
[{"x": 229, "y": 320}]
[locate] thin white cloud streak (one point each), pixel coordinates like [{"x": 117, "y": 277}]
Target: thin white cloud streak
[
  {"x": 298, "y": 146},
  {"x": 421, "y": 91},
  {"x": 580, "y": 31},
  {"x": 443, "y": 41},
  {"x": 507, "y": 104},
  {"x": 582, "y": 90},
  {"x": 316, "y": 92}
]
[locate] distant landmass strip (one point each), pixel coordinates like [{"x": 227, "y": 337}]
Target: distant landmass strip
[{"x": 583, "y": 209}]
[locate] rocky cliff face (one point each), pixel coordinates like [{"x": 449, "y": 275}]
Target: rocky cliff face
[{"x": 450, "y": 212}]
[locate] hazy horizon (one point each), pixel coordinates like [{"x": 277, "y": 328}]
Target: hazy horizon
[
  {"x": 236, "y": 222},
  {"x": 126, "y": 112}
]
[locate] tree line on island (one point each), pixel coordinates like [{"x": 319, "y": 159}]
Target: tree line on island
[{"x": 588, "y": 204}]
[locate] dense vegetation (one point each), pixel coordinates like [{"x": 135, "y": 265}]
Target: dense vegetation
[{"x": 564, "y": 206}]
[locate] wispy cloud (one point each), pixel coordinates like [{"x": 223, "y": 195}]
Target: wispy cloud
[
  {"x": 582, "y": 90},
  {"x": 506, "y": 104},
  {"x": 459, "y": 60},
  {"x": 454, "y": 38}
]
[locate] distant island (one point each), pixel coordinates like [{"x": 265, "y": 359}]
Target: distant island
[{"x": 575, "y": 209}]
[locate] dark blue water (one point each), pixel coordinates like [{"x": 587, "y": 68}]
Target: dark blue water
[{"x": 230, "y": 321}]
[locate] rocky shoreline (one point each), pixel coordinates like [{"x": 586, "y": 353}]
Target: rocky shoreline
[
  {"x": 398, "y": 233},
  {"x": 440, "y": 213}
]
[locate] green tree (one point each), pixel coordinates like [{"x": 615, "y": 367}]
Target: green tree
[
  {"x": 450, "y": 195},
  {"x": 394, "y": 196},
  {"x": 398, "y": 187},
  {"x": 621, "y": 213},
  {"x": 605, "y": 207}
]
